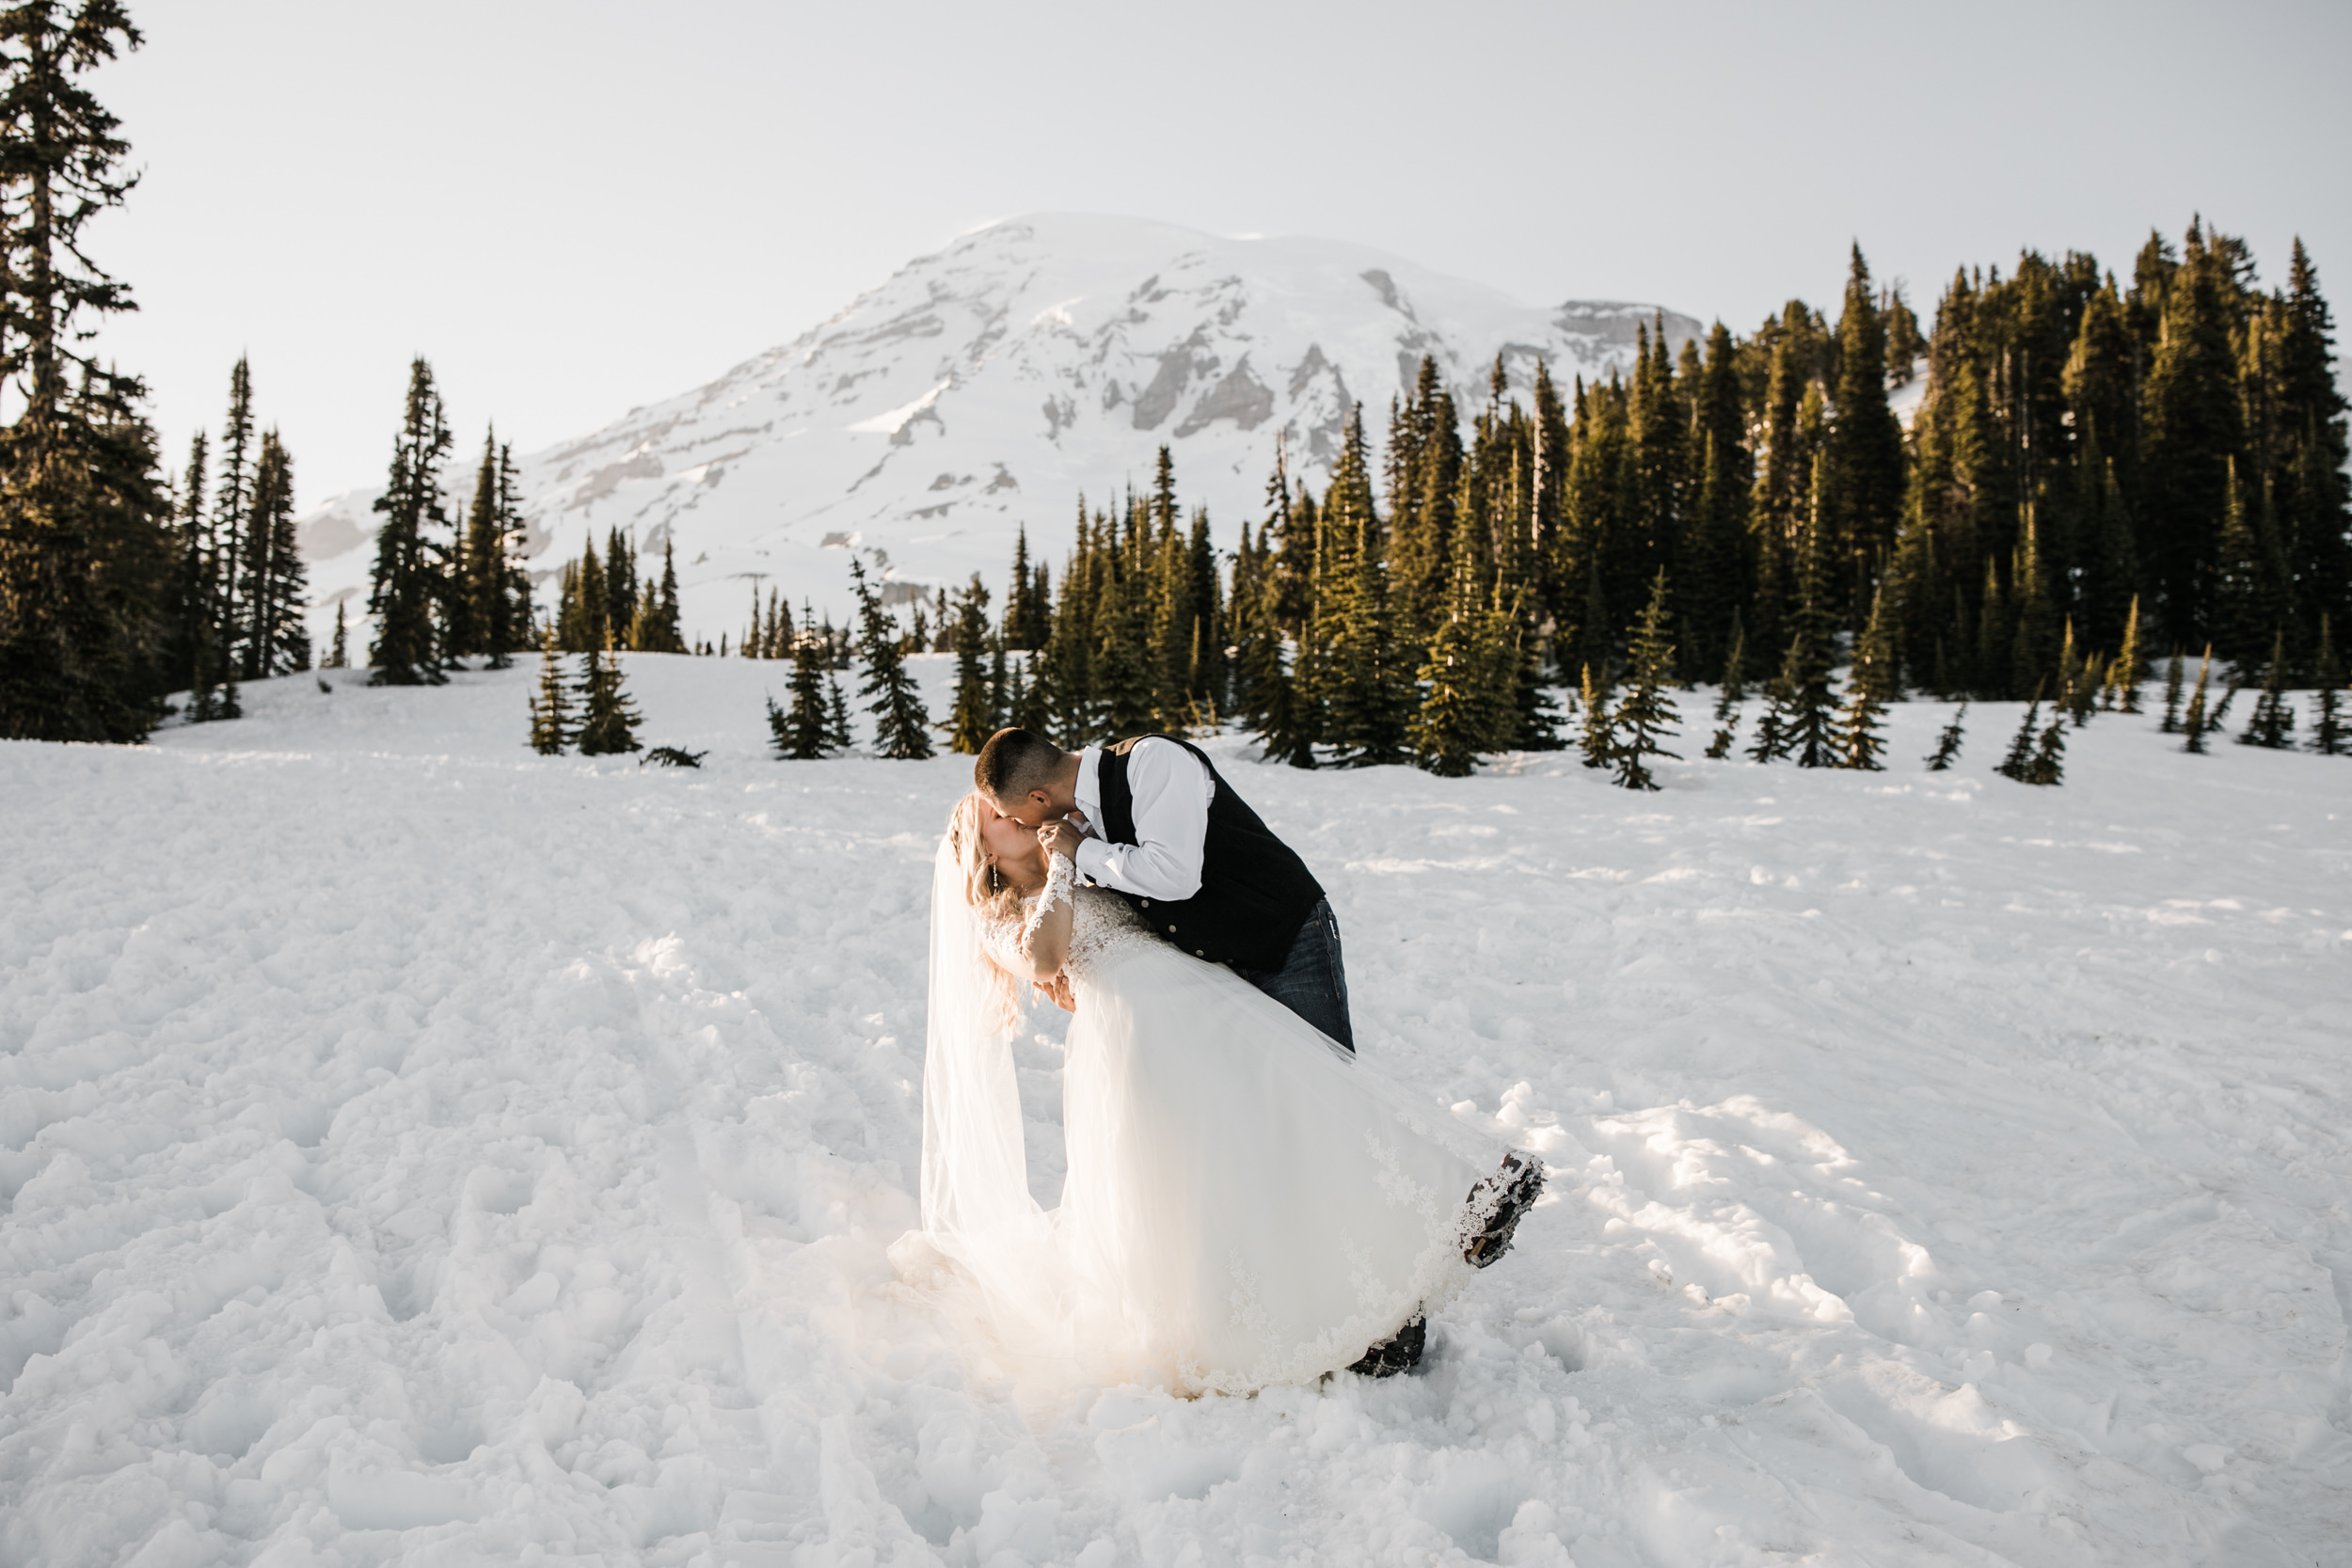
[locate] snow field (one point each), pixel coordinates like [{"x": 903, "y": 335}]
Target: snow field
[{"x": 421, "y": 1152}]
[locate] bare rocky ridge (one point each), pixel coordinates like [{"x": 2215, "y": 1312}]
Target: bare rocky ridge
[{"x": 992, "y": 382}]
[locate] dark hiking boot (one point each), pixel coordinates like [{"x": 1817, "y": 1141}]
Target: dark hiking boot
[
  {"x": 1496, "y": 1205},
  {"x": 1400, "y": 1353}
]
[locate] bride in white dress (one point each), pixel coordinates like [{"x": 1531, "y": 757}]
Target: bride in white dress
[{"x": 1246, "y": 1204}]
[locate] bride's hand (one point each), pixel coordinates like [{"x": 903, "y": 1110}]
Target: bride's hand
[
  {"x": 1061, "y": 838},
  {"x": 1059, "y": 988}
]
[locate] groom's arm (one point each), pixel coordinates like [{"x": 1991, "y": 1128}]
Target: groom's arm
[{"x": 1170, "y": 790}]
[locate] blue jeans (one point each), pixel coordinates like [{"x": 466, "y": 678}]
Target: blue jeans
[{"x": 1312, "y": 982}]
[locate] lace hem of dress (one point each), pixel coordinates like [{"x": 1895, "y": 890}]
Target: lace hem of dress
[
  {"x": 1059, "y": 874},
  {"x": 1439, "y": 1273}
]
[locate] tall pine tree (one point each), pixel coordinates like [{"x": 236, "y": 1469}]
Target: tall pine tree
[{"x": 408, "y": 590}]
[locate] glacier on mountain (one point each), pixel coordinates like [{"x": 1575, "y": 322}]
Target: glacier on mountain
[{"x": 990, "y": 385}]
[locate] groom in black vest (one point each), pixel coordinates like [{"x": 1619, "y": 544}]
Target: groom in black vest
[{"x": 1152, "y": 820}]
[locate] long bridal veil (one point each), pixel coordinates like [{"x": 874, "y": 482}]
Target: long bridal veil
[{"x": 977, "y": 1212}]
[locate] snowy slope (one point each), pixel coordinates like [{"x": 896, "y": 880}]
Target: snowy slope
[
  {"x": 419, "y": 1151},
  {"x": 992, "y": 382}
]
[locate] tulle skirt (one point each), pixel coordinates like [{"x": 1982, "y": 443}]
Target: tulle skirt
[{"x": 1245, "y": 1203}]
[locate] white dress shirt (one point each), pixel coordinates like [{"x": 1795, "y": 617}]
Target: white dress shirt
[{"x": 1171, "y": 790}]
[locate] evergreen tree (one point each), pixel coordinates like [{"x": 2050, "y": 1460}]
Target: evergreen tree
[
  {"x": 2195, "y": 724},
  {"x": 580, "y": 615},
  {"x": 1122, "y": 674},
  {"x": 511, "y": 623},
  {"x": 802, "y": 733},
  {"x": 1646, "y": 714},
  {"x": 1734, "y": 688},
  {"x": 1366, "y": 686},
  {"x": 1801, "y": 699},
  {"x": 2328, "y": 737},
  {"x": 1597, "y": 736},
  {"x": 608, "y": 720},
  {"x": 1870, "y": 685},
  {"x": 408, "y": 590},
  {"x": 1863, "y": 463},
  {"x": 972, "y": 716},
  {"x": 901, "y": 728},
  {"x": 1458, "y": 715},
  {"x": 201, "y": 651},
  {"x": 481, "y": 561},
  {"x": 1025, "y": 705},
  {"x": 2273, "y": 719},
  {"x": 2172, "y": 676},
  {"x": 620, "y": 587},
  {"x": 232, "y": 522},
  {"x": 2048, "y": 764},
  {"x": 2018, "y": 764},
  {"x": 550, "y": 705},
  {"x": 2193, "y": 426},
  {"x": 277, "y": 582},
  {"x": 85, "y": 555},
  {"x": 338, "y": 651},
  {"x": 1024, "y": 616},
  {"x": 1947, "y": 744},
  {"x": 2129, "y": 669},
  {"x": 660, "y": 629}
]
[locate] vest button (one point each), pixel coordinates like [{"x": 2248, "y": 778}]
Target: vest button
[
  {"x": 1200, "y": 953},
  {"x": 1172, "y": 929},
  {"x": 1146, "y": 903}
]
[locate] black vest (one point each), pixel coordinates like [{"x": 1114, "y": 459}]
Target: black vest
[{"x": 1255, "y": 892}]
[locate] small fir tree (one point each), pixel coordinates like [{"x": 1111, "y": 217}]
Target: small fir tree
[
  {"x": 608, "y": 720},
  {"x": 1734, "y": 688},
  {"x": 1458, "y": 717},
  {"x": 1646, "y": 715},
  {"x": 2018, "y": 764},
  {"x": 2273, "y": 719},
  {"x": 550, "y": 705},
  {"x": 2195, "y": 724},
  {"x": 2172, "y": 673},
  {"x": 2128, "y": 671},
  {"x": 901, "y": 728},
  {"x": 1870, "y": 685},
  {"x": 2048, "y": 764},
  {"x": 972, "y": 716},
  {"x": 2085, "y": 691},
  {"x": 801, "y": 734},
  {"x": 1947, "y": 744},
  {"x": 1598, "y": 739},
  {"x": 338, "y": 651}
]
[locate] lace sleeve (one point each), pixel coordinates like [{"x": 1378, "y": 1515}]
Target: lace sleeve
[{"x": 1058, "y": 873}]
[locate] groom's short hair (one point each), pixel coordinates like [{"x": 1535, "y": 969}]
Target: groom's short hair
[{"x": 1013, "y": 763}]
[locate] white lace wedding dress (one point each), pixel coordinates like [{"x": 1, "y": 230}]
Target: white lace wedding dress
[{"x": 1245, "y": 1203}]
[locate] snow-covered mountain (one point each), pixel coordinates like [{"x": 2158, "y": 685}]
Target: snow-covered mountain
[{"x": 991, "y": 384}]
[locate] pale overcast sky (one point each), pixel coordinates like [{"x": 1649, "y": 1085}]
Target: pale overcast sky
[{"x": 575, "y": 208}]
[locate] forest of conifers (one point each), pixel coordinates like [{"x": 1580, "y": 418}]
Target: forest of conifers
[{"x": 2096, "y": 468}]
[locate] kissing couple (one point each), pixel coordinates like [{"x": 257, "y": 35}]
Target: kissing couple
[{"x": 1246, "y": 1202}]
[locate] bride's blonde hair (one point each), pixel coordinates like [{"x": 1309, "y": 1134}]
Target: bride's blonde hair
[{"x": 992, "y": 897}]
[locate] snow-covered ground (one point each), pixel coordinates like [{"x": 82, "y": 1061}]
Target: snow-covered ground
[{"x": 421, "y": 1152}]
